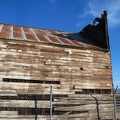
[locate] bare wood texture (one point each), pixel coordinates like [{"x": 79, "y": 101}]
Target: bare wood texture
[{"x": 32, "y": 68}]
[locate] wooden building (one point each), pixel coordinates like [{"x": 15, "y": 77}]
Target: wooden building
[{"x": 76, "y": 65}]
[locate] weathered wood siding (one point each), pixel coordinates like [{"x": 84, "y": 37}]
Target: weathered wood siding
[{"x": 28, "y": 68}]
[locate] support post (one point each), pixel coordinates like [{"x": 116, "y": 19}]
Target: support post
[
  {"x": 51, "y": 103},
  {"x": 114, "y": 95},
  {"x": 36, "y": 108}
]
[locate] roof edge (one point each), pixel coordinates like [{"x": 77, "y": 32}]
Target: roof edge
[{"x": 53, "y": 44}]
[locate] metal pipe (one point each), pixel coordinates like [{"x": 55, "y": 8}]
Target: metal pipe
[
  {"x": 51, "y": 103},
  {"x": 114, "y": 95},
  {"x": 36, "y": 108}
]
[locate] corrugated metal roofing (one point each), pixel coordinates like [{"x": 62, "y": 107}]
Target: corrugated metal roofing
[{"x": 44, "y": 36}]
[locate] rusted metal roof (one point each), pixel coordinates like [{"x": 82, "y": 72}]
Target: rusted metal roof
[{"x": 13, "y": 32}]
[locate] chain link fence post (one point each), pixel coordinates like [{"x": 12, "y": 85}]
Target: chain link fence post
[
  {"x": 51, "y": 103},
  {"x": 115, "y": 109},
  {"x": 35, "y": 108}
]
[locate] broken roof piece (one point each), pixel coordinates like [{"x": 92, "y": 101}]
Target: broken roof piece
[
  {"x": 98, "y": 32},
  {"x": 91, "y": 37}
]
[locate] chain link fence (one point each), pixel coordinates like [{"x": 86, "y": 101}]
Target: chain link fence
[
  {"x": 22, "y": 106},
  {"x": 117, "y": 102},
  {"x": 29, "y": 106}
]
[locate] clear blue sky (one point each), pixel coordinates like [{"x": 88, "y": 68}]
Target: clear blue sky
[{"x": 66, "y": 15}]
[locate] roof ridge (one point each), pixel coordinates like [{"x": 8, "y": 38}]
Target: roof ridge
[{"x": 33, "y": 27}]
